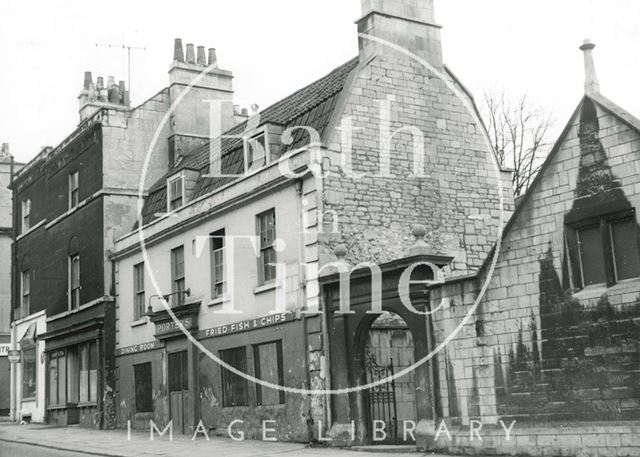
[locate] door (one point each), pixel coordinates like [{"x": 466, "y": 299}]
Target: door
[{"x": 179, "y": 390}]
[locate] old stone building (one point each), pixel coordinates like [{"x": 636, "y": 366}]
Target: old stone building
[
  {"x": 71, "y": 203},
  {"x": 334, "y": 174}
]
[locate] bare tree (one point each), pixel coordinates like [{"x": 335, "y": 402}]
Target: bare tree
[{"x": 519, "y": 131}]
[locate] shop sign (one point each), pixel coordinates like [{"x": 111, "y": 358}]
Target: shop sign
[
  {"x": 246, "y": 326},
  {"x": 142, "y": 347},
  {"x": 163, "y": 328},
  {"x": 14, "y": 356},
  {"x": 4, "y": 349}
]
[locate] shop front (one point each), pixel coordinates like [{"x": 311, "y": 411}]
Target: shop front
[{"x": 79, "y": 366}]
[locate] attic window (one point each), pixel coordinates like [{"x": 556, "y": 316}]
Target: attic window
[
  {"x": 255, "y": 151},
  {"x": 175, "y": 192}
]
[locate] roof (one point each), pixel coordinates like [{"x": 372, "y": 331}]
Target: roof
[
  {"x": 622, "y": 114},
  {"x": 311, "y": 106}
]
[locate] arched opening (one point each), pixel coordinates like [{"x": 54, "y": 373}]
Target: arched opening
[{"x": 391, "y": 406}]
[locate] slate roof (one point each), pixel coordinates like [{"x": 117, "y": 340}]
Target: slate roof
[{"x": 310, "y": 106}]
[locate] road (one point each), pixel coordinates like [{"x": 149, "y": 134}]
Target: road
[{"x": 26, "y": 450}]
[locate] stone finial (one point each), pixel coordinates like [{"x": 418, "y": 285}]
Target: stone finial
[
  {"x": 191, "y": 54},
  {"x": 420, "y": 246},
  {"x": 340, "y": 251},
  {"x": 201, "y": 59},
  {"x": 591, "y": 85},
  {"x": 213, "y": 58},
  {"x": 178, "y": 50}
]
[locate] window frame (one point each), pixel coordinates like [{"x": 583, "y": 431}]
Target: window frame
[
  {"x": 26, "y": 215},
  {"x": 248, "y": 150},
  {"x": 73, "y": 291},
  {"x": 25, "y": 292},
  {"x": 178, "y": 282},
  {"x": 258, "y": 374},
  {"x": 213, "y": 250},
  {"x": 228, "y": 378},
  {"x": 262, "y": 264},
  {"x": 74, "y": 189},
  {"x": 138, "y": 294},
  {"x": 604, "y": 224},
  {"x": 172, "y": 199}
]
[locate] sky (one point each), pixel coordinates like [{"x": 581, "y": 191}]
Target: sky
[{"x": 275, "y": 47}]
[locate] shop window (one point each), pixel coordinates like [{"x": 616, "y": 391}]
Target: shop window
[
  {"x": 57, "y": 378},
  {"x": 26, "y": 215},
  {"x": 88, "y": 372},
  {"x": 266, "y": 225},
  {"x": 604, "y": 251},
  {"x": 235, "y": 390},
  {"x": 177, "y": 276},
  {"x": 143, "y": 387},
  {"x": 74, "y": 281},
  {"x": 28, "y": 372},
  {"x": 138, "y": 292},
  {"x": 217, "y": 264},
  {"x": 267, "y": 359},
  {"x": 73, "y": 189},
  {"x": 73, "y": 376}
]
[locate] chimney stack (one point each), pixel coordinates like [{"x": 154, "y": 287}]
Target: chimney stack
[
  {"x": 191, "y": 56},
  {"x": 591, "y": 85},
  {"x": 213, "y": 58},
  {"x": 202, "y": 60},
  {"x": 178, "y": 51}
]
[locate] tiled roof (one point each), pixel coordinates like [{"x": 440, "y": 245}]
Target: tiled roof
[{"x": 311, "y": 106}]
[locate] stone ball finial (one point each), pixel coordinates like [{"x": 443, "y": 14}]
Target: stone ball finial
[
  {"x": 340, "y": 251},
  {"x": 419, "y": 231}
]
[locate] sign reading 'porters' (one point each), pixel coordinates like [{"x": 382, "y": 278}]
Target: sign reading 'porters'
[
  {"x": 162, "y": 328},
  {"x": 245, "y": 326}
]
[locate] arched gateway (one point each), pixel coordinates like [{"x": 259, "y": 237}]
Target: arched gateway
[{"x": 368, "y": 345}]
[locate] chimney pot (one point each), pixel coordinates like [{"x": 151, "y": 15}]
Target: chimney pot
[
  {"x": 202, "y": 60},
  {"x": 100, "y": 83},
  {"x": 213, "y": 58},
  {"x": 111, "y": 81},
  {"x": 5, "y": 149},
  {"x": 88, "y": 80},
  {"x": 591, "y": 84},
  {"x": 178, "y": 50},
  {"x": 114, "y": 95},
  {"x": 191, "y": 56}
]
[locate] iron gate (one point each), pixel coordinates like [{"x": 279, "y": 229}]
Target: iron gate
[{"x": 382, "y": 397}]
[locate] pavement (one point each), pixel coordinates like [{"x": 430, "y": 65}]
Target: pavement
[{"x": 40, "y": 440}]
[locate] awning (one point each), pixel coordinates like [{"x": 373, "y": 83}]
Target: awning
[{"x": 29, "y": 338}]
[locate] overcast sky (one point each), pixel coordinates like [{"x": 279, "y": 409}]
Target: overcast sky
[{"x": 275, "y": 47}]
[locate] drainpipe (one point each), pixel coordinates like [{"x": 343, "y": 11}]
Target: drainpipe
[{"x": 14, "y": 334}]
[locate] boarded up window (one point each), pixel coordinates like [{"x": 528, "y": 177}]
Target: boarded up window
[
  {"x": 234, "y": 387},
  {"x": 143, "y": 387},
  {"x": 268, "y": 367},
  {"x": 624, "y": 239}
]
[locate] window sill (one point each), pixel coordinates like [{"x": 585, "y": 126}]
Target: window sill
[
  {"x": 27, "y": 399},
  {"x": 265, "y": 287},
  {"x": 89, "y": 404},
  {"x": 143, "y": 415},
  {"x": 598, "y": 290},
  {"x": 139, "y": 322},
  {"x": 219, "y": 300}
]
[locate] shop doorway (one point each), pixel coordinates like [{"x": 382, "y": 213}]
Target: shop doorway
[{"x": 179, "y": 391}]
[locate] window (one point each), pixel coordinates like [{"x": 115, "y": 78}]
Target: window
[
  {"x": 57, "y": 378},
  {"x": 256, "y": 151},
  {"x": 177, "y": 275},
  {"x": 143, "y": 387},
  {"x": 74, "y": 281},
  {"x": 267, "y": 233},
  {"x": 28, "y": 363},
  {"x": 26, "y": 215},
  {"x": 175, "y": 193},
  {"x": 88, "y": 372},
  {"x": 73, "y": 189},
  {"x": 604, "y": 250},
  {"x": 234, "y": 387},
  {"x": 25, "y": 292},
  {"x": 267, "y": 359},
  {"x": 138, "y": 291},
  {"x": 217, "y": 264}
]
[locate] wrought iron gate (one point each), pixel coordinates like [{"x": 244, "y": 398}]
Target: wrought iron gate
[{"x": 382, "y": 397}]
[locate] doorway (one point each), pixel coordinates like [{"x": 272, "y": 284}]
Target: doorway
[
  {"x": 179, "y": 390},
  {"x": 388, "y": 350}
]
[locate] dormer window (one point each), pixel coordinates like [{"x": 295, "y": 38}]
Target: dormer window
[
  {"x": 256, "y": 151},
  {"x": 175, "y": 192}
]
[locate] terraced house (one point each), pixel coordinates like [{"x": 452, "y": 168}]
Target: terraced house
[
  {"x": 228, "y": 286},
  {"x": 71, "y": 203}
]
